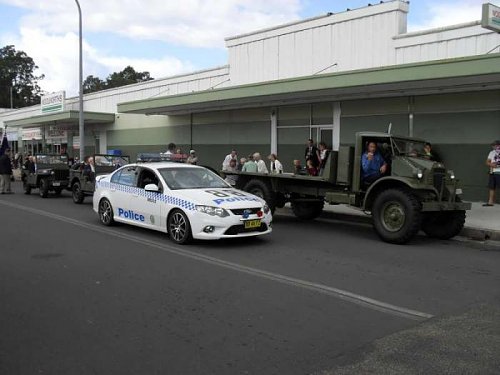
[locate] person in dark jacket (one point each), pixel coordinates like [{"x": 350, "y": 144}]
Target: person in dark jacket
[
  {"x": 312, "y": 153},
  {"x": 5, "y": 172}
]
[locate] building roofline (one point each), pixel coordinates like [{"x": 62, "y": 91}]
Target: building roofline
[{"x": 439, "y": 30}]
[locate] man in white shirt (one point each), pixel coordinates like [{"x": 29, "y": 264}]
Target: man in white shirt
[
  {"x": 261, "y": 165},
  {"x": 232, "y": 156},
  {"x": 276, "y": 166},
  {"x": 493, "y": 162}
]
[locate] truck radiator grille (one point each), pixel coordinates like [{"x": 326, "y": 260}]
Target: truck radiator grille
[
  {"x": 61, "y": 175},
  {"x": 439, "y": 177}
]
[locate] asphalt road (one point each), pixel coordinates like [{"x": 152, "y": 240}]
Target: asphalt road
[{"x": 79, "y": 298}]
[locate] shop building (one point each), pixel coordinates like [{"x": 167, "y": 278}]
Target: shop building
[{"x": 325, "y": 78}]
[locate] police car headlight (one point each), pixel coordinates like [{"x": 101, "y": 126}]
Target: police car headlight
[
  {"x": 266, "y": 209},
  {"x": 213, "y": 211}
]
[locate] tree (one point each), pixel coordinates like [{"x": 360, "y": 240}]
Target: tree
[
  {"x": 93, "y": 84},
  {"x": 17, "y": 71},
  {"x": 117, "y": 79}
]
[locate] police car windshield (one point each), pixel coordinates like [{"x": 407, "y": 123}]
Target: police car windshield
[{"x": 191, "y": 178}]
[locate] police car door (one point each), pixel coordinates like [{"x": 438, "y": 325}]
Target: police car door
[
  {"x": 147, "y": 204},
  {"x": 123, "y": 189}
]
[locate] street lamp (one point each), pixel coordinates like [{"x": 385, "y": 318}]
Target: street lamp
[{"x": 80, "y": 85}]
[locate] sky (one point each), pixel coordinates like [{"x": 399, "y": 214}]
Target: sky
[{"x": 168, "y": 37}]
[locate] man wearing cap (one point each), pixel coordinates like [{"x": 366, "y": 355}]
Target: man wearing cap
[
  {"x": 192, "y": 158},
  {"x": 493, "y": 162}
]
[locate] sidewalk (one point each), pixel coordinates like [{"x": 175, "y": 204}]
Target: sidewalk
[{"x": 481, "y": 223}]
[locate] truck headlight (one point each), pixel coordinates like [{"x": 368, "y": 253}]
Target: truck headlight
[
  {"x": 419, "y": 174},
  {"x": 452, "y": 174},
  {"x": 212, "y": 211}
]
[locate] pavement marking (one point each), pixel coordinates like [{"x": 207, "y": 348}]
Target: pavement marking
[{"x": 344, "y": 295}]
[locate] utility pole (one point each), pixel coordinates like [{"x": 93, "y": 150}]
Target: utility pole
[{"x": 81, "y": 129}]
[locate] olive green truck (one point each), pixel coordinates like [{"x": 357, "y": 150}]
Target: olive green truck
[{"x": 414, "y": 194}]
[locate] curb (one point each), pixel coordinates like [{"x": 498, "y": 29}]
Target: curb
[{"x": 476, "y": 234}]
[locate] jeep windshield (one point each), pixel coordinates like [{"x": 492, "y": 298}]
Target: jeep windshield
[
  {"x": 111, "y": 161},
  {"x": 409, "y": 147},
  {"x": 52, "y": 159},
  {"x": 191, "y": 178}
]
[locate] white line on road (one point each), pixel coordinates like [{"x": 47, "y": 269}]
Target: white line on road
[{"x": 344, "y": 295}]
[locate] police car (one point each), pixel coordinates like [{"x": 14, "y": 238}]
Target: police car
[{"x": 185, "y": 201}]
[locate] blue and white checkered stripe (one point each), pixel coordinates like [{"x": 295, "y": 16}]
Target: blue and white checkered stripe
[{"x": 168, "y": 199}]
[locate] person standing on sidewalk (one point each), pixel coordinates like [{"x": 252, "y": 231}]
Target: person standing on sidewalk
[
  {"x": 5, "y": 172},
  {"x": 493, "y": 162}
]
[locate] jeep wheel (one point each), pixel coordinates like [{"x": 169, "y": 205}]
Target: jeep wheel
[
  {"x": 307, "y": 210},
  {"x": 260, "y": 189},
  {"x": 178, "y": 227},
  {"x": 44, "y": 188},
  {"x": 443, "y": 225},
  {"x": 26, "y": 188},
  {"x": 396, "y": 215},
  {"x": 106, "y": 212},
  {"x": 77, "y": 193}
]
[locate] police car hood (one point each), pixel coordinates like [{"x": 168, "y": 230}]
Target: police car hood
[{"x": 225, "y": 198}]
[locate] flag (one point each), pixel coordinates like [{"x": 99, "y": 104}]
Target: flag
[{"x": 5, "y": 143}]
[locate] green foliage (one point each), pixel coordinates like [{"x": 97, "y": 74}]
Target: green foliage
[
  {"x": 17, "y": 72},
  {"x": 117, "y": 79}
]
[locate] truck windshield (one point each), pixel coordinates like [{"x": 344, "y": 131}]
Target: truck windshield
[
  {"x": 191, "y": 178},
  {"x": 110, "y": 161},
  {"x": 409, "y": 147},
  {"x": 52, "y": 159}
]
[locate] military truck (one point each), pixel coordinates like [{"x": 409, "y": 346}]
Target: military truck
[
  {"x": 414, "y": 194},
  {"x": 49, "y": 172},
  {"x": 82, "y": 181}
]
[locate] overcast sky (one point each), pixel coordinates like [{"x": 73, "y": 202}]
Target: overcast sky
[{"x": 167, "y": 37}]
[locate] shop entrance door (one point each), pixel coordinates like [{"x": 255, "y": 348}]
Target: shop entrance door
[{"x": 322, "y": 134}]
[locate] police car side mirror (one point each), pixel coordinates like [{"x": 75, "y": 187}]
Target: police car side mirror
[{"x": 152, "y": 188}]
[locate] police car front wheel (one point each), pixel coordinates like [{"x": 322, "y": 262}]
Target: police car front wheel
[
  {"x": 178, "y": 227},
  {"x": 106, "y": 212}
]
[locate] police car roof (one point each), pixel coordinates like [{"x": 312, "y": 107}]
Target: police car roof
[{"x": 165, "y": 164}]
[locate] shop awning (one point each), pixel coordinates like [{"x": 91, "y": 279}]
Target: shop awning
[
  {"x": 440, "y": 76},
  {"x": 69, "y": 117}
]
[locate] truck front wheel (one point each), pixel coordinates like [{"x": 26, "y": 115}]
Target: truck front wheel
[
  {"x": 262, "y": 190},
  {"x": 77, "y": 193},
  {"x": 443, "y": 225},
  {"x": 396, "y": 215},
  {"x": 307, "y": 210}
]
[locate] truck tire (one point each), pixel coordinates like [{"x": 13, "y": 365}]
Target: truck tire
[
  {"x": 26, "y": 188},
  {"x": 44, "y": 188},
  {"x": 307, "y": 210},
  {"x": 443, "y": 225},
  {"x": 262, "y": 190},
  {"x": 77, "y": 193},
  {"x": 396, "y": 215}
]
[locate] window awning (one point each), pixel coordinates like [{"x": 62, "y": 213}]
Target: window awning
[
  {"x": 434, "y": 77},
  {"x": 65, "y": 117}
]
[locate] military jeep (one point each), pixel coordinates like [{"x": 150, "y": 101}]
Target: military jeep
[
  {"x": 82, "y": 180},
  {"x": 49, "y": 173}
]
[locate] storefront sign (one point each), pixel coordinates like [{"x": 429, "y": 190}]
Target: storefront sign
[
  {"x": 76, "y": 142},
  {"x": 53, "y": 102},
  {"x": 491, "y": 17},
  {"x": 56, "y": 133},
  {"x": 31, "y": 134}
]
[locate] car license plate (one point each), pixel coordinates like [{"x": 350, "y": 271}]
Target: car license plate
[
  {"x": 458, "y": 191},
  {"x": 56, "y": 184},
  {"x": 250, "y": 224}
]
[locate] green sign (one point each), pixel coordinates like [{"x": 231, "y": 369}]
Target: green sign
[
  {"x": 491, "y": 17},
  {"x": 53, "y": 102}
]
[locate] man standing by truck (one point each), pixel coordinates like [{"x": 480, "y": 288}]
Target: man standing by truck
[
  {"x": 493, "y": 162},
  {"x": 373, "y": 164}
]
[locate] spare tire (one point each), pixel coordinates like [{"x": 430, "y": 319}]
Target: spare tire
[
  {"x": 307, "y": 210},
  {"x": 262, "y": 190}
]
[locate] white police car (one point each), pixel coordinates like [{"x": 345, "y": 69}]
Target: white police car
[{"x": 186, "y": 201}]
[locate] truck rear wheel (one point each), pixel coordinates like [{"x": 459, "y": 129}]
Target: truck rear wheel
[
  {"x": 443, "y": 225},
  {"x": 77, "y": 193},
  {"x": 260, "y": 189},
  {"x": 307, "y": 210},
  {"x": 44, "y": 188},
  {"x": 396, "y": 215}
]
